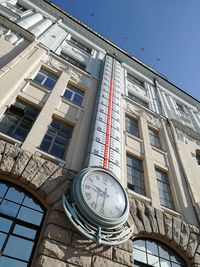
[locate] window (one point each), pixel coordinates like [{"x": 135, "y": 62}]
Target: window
[
  {"x": 21, "y": 219},
  {"x": 133, "y": 79},
  {"x": 73, "y": 61},
  {"x": 81, "y": 46},
  {"x": 57, "y": 138},
  {"x": 135, "y": 175},
  {"x": 74, "y": 94},
  {"x": 132, "y": 126},
  {"x": 18, "y": 120},
  {"x": 148, "y": 252},
  {"x": 154, "y": 138},
  {"x": 164, "y": 189},
  {"x": 46, "y": 79},
  {"x": 138, "y": 100}
]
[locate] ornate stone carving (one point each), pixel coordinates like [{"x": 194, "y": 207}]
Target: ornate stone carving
[
  {"x": 9, "y": 35},
  {"x": 149, "y": 220}
]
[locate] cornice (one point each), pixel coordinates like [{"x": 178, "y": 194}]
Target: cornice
[{"x": 116, "y": 51}]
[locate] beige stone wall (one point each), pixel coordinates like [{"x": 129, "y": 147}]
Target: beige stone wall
[
  {"x": 187, "y": 145},
  {"x": 61, "y": 245},
  {"x": 164, "y": 159}
]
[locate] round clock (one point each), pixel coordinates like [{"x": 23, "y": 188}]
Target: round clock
[{"x": 100, "y": 197}]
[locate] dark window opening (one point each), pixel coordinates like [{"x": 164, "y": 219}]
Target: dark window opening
[
  {"x": 72, "y": 61},
  {"x": 135, "y": 80},
  {"x": 135, "y": 175},
  {"x": 18, "y": 120},
  {"x": 81, "y": 46},
  {"x": 21, "y": 219},
  {"x": 57, "y": 138},
  {"x": 138, "y": 100}
]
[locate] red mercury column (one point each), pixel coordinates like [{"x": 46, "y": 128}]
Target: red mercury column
[{"x": 108, "y": 127}]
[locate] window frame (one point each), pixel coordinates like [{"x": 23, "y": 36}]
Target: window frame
[
  {"x": 44, "y": 72},
  {"x": 18, "y": 121},
  {"x": 167, "y": 186},
  {"x": 77, "y": 92},
  {"x": 17, "y": 221},
  {"x": 52, "y": 136},
  {"x": 132, "y": 124},
  {"x": 80, "y": 45},
  {"x": 75, "y": 62},
  {"x": 159, "y": 251},
  {"x": 137, "y": 99},
  {"x": 154, "y": 136},
  {"x": 140, "y": 171},
  {"x": 131, "y": 78}
]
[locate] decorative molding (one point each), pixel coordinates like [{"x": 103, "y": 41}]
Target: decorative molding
[
  {"x": 149, "y": 221},
  {"x": 10, "y": 36}
]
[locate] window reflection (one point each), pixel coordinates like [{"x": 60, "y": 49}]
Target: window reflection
[
  {"x": 20, "y": 221},
  {"x": 148, "y": 252}
]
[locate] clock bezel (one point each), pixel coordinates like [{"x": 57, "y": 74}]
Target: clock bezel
[{"x": 78, "y": 197}]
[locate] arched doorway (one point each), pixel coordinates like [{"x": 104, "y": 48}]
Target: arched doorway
[{"x": 21, "y": 218}]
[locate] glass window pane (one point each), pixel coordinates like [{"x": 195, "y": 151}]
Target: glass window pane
[
  {"x": 78, "y": 100},
  {"x": 29, "y": 202},
  {"x": 152, "y": 247},
  {"x": 139, "y": 255},
  {"x": 7, "y": 262},
  {"x": 163, "y": 252},
  {"x": 157, "y": 254},
  {"x": 5, "y": 225},
  {"x": 153, "y": 260},
  {"x": 3, "y": 189},
  {"x": 139, "y": 244},
  {"x": 2, "y": 239},
  {"x": 9, "y": 208},
  {"x": 20, "y": 134},
  {"x": 56, "y": 124},
  {"x": 68, "y": 94},
  {"x": 58, "y": 151},
  {"x": 14, "y": 195},
  {"x": 39, "y": 78},
  {"x": 29, "y": 215},
  {"x": 24, "y": 231},
  {"x": 18, "y": 248},
  {"x": 164, "y": 263},
  {"x": 49, "y": 83}
]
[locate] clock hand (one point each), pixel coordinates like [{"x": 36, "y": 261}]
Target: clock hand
[{"x": 104, "y": 198}]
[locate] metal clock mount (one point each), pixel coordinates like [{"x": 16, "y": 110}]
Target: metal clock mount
[{"x": 98, "y": 207}]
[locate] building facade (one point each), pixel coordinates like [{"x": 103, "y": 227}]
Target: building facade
[{"x": 70, "y": 99}]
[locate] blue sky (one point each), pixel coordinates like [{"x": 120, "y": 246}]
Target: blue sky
[{"x": 166, "y": 29}]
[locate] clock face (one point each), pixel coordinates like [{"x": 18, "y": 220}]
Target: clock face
[{"x": 103, "y": 194}]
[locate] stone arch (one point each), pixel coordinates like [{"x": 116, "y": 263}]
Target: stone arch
[
  {"x": 44, "y": 179},
  {"x": 156, "y": 224},
  {"x": 46, "y": 182}
]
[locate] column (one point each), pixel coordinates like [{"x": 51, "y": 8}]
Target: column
[
  {"x": 35, "y": 136},
  {"x": 29, "y": 21},
  {"x": 43, "y": 26},
  {"x": 149, "y": 169}
]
